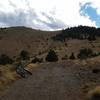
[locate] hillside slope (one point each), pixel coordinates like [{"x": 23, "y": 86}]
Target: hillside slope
[
  {"x": 50, "y": 81},
  {"x": 15, "y": 39}
]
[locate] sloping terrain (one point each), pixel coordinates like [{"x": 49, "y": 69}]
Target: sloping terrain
[
  {"x": 63, "y": 80},
  {"x": 55, "y": 81},
  {"x": 15, "y": 39}
]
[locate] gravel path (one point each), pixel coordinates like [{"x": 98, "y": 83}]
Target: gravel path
[{"x": 48, "y": 82}]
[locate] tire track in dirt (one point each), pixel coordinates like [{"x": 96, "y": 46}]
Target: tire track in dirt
[{"x": 54, "y": 81}]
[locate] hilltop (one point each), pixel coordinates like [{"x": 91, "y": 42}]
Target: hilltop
[{"x": 15, "y": 39}]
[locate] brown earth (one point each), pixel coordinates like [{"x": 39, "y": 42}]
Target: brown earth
[
  {"x": 55, "y": 81},
  {"x": 15, "y": 39},
  {"x": 64, "y": 80}
]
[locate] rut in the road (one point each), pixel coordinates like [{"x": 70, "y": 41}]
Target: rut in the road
[{"x": 48, "y": 82}]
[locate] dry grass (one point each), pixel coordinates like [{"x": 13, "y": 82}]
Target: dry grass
[
  {"x": 6, "y": 77},
  {"x": 36, "y": 43},
  {"x": 94, "y": 94},
  {"x": 89, "y": 61}
]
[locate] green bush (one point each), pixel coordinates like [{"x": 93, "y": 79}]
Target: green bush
[
  {"x": 72, "y": 56},
  {"x": 96, "y": 70},
  {"x": 4, "y": 59},
  {"x": 85, "y": 53},
  {"x": 51, "y": 56},
  {"x": 24, "y": 55}
]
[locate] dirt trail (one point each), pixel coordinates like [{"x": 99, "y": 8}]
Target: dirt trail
[{"x": 49, "y": 82}]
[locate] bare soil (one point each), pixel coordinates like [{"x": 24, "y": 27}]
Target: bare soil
[{"x": 55, "y": 81}]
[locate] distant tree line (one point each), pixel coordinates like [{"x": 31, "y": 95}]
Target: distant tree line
[{"x": 80, "y": 32}]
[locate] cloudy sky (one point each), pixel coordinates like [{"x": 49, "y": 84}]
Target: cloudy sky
[{"x": 49, "y": 14}]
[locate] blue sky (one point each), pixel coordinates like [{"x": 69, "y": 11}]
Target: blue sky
[
  {"x": 88, "y": 10},
  {"x": 49, "y": 14}
]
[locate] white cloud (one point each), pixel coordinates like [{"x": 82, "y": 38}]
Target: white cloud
[
  {"x": 61, "y": 11},
  {"x": 94, "y": 3}
]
